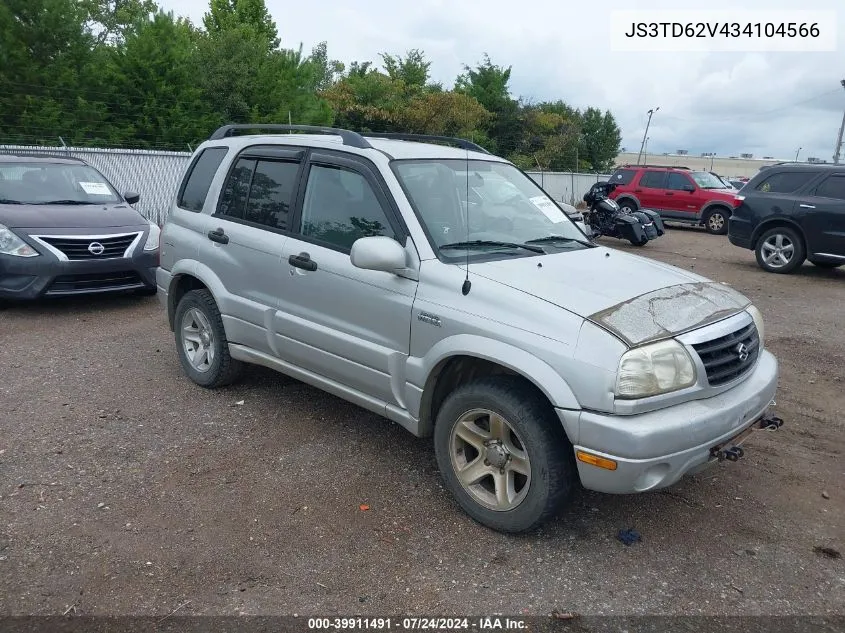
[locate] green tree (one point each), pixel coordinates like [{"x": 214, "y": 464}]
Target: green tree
[
  {"x": 413, "y": 69},
  {"x": 111, "y": 20},
  {"x": 487, "y": 83},
  {"x": 154, "y": 73},
  {"x": 600, "y": 139},
  {"x": 226, "y": 15}
]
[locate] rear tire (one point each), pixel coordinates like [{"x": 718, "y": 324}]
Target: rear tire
[
  {"x": 201, "y": 341},
  {"x": 627, "y": 205},
  {"x": 642, "y": 242},
  {"x": 524, "y": 473},
  {"x": 780, "y": 250},
  {"x": 716, "y": 221}
]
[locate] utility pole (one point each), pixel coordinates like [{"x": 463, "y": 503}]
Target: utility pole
[
  {"x": 838, "y": 148},
  {"x": 650, "y": 113},
  {"x": 645, "y": 154},
  {"x": 798, "y": 152}
]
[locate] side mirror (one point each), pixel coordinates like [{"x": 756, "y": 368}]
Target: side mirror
[
  {"x": 378, "y": 253},
  {"x": 131, "y": 197}
]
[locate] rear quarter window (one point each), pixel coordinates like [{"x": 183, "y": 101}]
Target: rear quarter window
[
  {"x": 623, "y": 176},
  {"x": 785, "y": 182},
  {"x": 197, "y": 181}
]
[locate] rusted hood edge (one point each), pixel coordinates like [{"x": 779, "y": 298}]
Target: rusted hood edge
[{"x": 670, "y": 311}]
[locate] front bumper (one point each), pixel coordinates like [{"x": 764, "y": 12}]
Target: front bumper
[
  {"x": 654, "y": 450},
  {"x": 24, "y": 278}
]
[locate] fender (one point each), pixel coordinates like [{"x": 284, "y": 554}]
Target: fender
[
  {"x": 631, "y": 196},
  {"x": 715, "y": 203},
  {"x": 195, "y": 269},
  {"x": 420, "y": 378},
  {"x": 766, "y": 224}
]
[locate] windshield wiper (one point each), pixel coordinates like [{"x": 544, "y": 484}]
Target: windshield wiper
[
  {"x": 550, "y": 239},
  {"x": 66, "y": 202},
  {"x": 7, "y": 201},
  {"x": 492, "y": 243}
]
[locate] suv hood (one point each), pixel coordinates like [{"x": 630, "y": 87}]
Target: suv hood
[
  {"x": 637, "y": 299},
  {"x": 60, "y": 216}
]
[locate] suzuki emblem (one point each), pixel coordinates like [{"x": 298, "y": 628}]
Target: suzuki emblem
[
  {"x": 742, "y": 352},
  {"x": 95, "y": 248}
]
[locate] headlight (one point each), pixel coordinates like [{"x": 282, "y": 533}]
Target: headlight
[
  {"x": 153, "y": 238},
  {"x": 758, "y": 321},
  {"x": 11, "y": 244},
  {"x": 654, "y": 369}
]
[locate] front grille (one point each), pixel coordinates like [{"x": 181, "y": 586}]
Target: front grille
[
  {"x": 722, "y": 358},
  {"x": 77, "y": 248},
  {"x": 71, "y": 284}
]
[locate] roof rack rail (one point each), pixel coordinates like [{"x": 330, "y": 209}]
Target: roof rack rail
[
  {"x": 353, "y": 139},
  {"x": 401, "y": 136},
  {"x": 659, "y": 166}
]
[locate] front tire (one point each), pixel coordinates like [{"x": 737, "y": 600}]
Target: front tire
[
  {"x": 201, "y": 341},
  {"x": 716, "y": 221},
  {"x": 780, "y": 250},
  {"x": 503, "y": 454}
]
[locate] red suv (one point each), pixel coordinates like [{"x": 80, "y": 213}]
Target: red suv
[{"x": 678, "y": 194}]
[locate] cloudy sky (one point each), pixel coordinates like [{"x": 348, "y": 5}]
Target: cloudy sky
[{"x": 729, "y": 102}]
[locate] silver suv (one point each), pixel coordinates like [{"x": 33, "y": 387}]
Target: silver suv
[{"x": 392, "y": 273}]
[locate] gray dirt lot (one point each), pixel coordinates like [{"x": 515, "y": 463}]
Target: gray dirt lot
[{"x": 255, "y": 508}]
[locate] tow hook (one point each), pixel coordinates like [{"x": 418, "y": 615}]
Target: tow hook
[
  {"x": 732, "y": 454},
  {"x": 771, "y": 423}
]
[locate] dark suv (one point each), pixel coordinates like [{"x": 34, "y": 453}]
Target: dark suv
[
  {"x": 678, "y": 194},
  {"x": 791, "y": 212}
]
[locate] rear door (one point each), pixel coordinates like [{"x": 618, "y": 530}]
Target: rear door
[
  {"x": 823, "y": 212},
  {"x": 344, "y": 323},
  {"x": 682, "y": 198},
  {"x": 651, "y": 189},
  {"x": 246, "y": 235}
]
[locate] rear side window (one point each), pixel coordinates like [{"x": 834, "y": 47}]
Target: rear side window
[
  {"x": 832, "y": 187},
  {"x": 654, "y": 179},
  {"x": 198, "y": 180},
  {"x": 260, "y": 191},
  {"x": 623, "y": 176},
  {"x": 678, "y": 181},
  {"x": 236, "y": 190},
  {"x": 271, "y": 193},
  {"x": 785, "y": 182}
]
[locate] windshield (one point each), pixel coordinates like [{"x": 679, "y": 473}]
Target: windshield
[
  {"x": 505, "y": 208},
  {"x": 706, "y": 180},
  {"x": 45, "y": 183}
]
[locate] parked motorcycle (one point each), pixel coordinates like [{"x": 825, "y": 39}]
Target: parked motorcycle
[{"x": 606, "y": 218}]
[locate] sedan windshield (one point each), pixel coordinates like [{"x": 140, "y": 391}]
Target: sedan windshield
[
  {"x": 706, "y": 180},
  {"x": 483, "y": 207},
  {"x": 53, "y": 183}
]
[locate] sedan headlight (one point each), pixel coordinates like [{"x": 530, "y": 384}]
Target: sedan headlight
[
  {"x": 152, "y": 238},
  {"x": 654, "y": 369},
  {"x": 11, "y": 244},
  {"x": 758, "y": 321}
]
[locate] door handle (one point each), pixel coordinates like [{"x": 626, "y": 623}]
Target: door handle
[
  {"x": 669, "y": 193},
  {"x": 304, "y": 261},
  {"x": 218, "y": 236},
  {"x": 807, "y": 206},
  {"x": 638, "y": 190}
]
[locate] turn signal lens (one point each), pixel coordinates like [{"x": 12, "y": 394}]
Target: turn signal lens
[{"x": 595, "y": 460}]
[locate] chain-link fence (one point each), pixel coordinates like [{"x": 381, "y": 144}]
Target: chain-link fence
[
  {"x": 156, "y": 174},
  {"x": 153, "y": 174}
]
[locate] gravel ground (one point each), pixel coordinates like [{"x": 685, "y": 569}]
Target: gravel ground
[{"x": 125, "y": 489}]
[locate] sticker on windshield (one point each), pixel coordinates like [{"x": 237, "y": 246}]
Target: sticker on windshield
[
  {"x": 95, "y": 188},
  {"x": 548, "y": 208}
]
